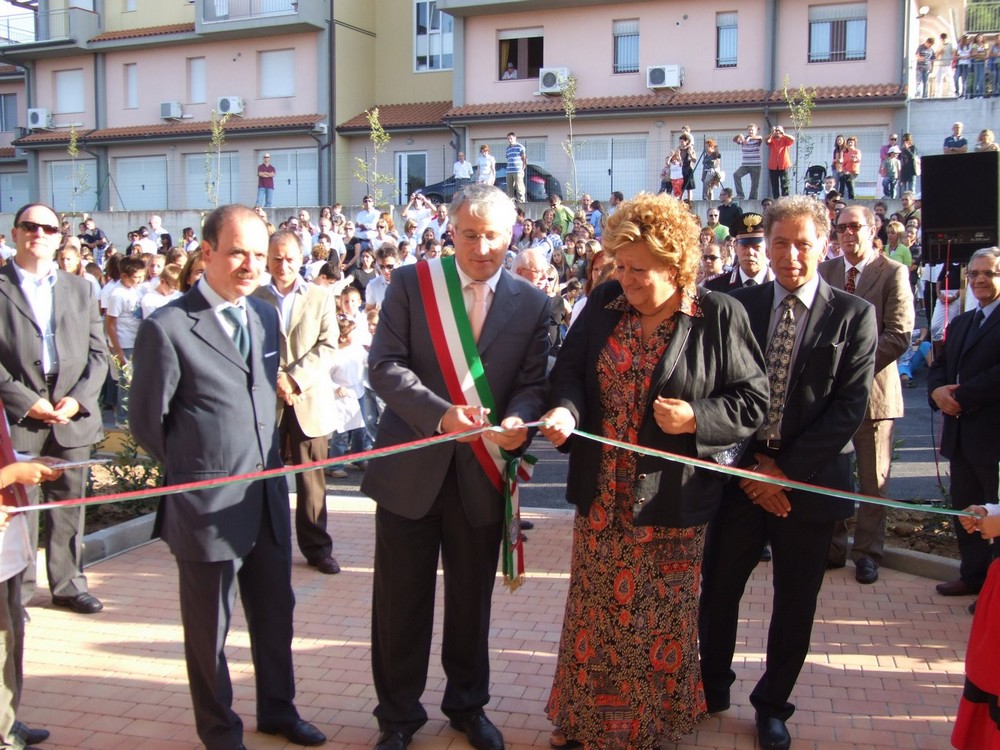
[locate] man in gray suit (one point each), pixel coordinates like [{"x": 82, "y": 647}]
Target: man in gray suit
[
  {"x": 203, "y": 403},
  {"x": 53, "y": 362},
  {"x": 883, "y": 282},
  {"x": 441, "y": 500}
]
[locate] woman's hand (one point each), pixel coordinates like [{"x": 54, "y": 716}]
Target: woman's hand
[
  {"x": 674, "y": 416},
  {"x": 559, "y": 425}
]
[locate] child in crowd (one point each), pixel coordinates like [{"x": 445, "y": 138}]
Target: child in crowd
[
  {"x": 891, "y": 166},
  {"x": 121, "y": 324},
  {"x": 348, "y": 372},
  {"x": 168, "y": 286},
  {"x": 676, "y": 174},
  {"x": 350, "y": 307},
  {"x": 371, "y": 405}
]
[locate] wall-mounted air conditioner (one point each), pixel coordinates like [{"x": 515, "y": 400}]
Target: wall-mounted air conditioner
[
  {"x": 171, "y": 111},
  {"x": 664, "y": 76},
  {"x": 230, "y": 105},
  {"x": 39, "y": 119},
  {"x": 550, "y": 80}
]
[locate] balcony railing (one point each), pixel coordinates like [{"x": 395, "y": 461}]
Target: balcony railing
[
  {"x": 982, "y": 18},
  {"x": 238, "y": 10},
  {"x": 29, "y": 28}
]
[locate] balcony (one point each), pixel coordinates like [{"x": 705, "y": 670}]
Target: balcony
[
  {"x": 242, "y": 18},
  {"x": 982, "y": 18},
  {"x": 48, "y": 33}
]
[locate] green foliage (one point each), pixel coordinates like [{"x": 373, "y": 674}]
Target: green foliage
[
  {"x": 567, "y": 93},
  {"x": 130, "y": 470},
  {"x": 801, "y": 102},
  {"x": 213, "y": 157},
  {"x": 366, "y": 171},
  {"x": 81, "y": 183}
]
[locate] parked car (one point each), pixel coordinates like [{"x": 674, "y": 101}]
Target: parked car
[{"x": 539, "y": 185}]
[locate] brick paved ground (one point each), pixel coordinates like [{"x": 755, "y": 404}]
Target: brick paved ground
[{"x": 885, "y": 672}]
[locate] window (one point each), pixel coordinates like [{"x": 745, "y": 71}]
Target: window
[
  {"x": 196, "y": 80},
  {"x": 626, "y": 34},
  {"x": 69, "y": 91},
  {"x": 297, "y": 179},
  {"x": 141, "y": 182},
  {"x": 72, "y": 185},
  {"x": 277, "y": 73},
  {"x": 129, "y": 6},
  {"x": 434, "y": 44},
  {"x": 8, "y": 112},
  {"x": 726, "y": 34},
  {"x": 523, "y": 48},
  {"x": 222, "y": 183},
  {"x": 131, "y": 77},
  {"x": 838, "y": 32}
]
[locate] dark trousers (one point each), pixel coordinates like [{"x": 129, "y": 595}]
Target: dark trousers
[
  {"x": 12, "y": 634},
  {"x": 734, "y": 540},
  {"x": 779, "y": 182},
  {"x": 208, "y": 595},
  {"x": 310, "y": 486},
  {"x": 406, "y": 561},
  {"x": 738, "y": 176},
  {"x": 63, "y": 538},
  {"x": 972, "y": 484}
]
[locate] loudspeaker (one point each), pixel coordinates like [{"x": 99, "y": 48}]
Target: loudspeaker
[{"x": 960, "y": 204}]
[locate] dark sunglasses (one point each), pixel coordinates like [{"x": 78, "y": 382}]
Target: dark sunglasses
[
  {"x": 31, "y": 227},
  {"x": 712, "y": 258}
]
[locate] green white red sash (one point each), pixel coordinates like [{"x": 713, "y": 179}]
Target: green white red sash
[{"x": 465, "y": 378}]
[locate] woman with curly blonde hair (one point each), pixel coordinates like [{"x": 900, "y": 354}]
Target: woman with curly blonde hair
[{"x": 656, "y": 361}]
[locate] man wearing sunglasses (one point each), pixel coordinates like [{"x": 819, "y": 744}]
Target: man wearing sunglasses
[
  {"x": 883, "y": 282},
  {"x": 53, "y": 362}
]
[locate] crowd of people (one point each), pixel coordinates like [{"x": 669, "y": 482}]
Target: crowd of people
[
  {"x": 777, "y": 342},
  {"x": 969, "y": 69}
]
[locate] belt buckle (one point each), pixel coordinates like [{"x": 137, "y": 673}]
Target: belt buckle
[{"x": 772, "y": 444}]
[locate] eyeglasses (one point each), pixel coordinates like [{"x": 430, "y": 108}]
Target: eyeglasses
[
  {"x": 386, "y": 266},
  {"x": 712, "y": 258},
  {"x": 852, "y": 226},
  {"x": 31, "y": 227},
  {"x": 894, "y": 138},
  {"x": 988, "y": 275}
]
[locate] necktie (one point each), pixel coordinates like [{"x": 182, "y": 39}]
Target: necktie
[
  {"x": 978, "y": 318},
  {"x": 852, "y": 280},
  {"x": 241, "y": 337},
  {"x": 749, "y": 282},
  {"x": 974, "y": 330},
  {"x": 477, "y": 313},
  {"x": 779, "y": 359}
]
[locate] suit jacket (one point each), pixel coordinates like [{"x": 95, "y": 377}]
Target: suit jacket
[
  {"x": 730, "y": 282},
  {"x": 83, "y": 362},
  {"x": 203, "y": 412},
  {"x": 306, "y": 350},
  {"x": 404, "y": 371},
  {"x": 971, "y": 358},
  {"x": 827, "y": 393},
  {"x": 884, "y": 283},
  {"x": 711, "y": 361}
]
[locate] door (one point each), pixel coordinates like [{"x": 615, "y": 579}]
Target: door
[
  {"x": 411, "y": 175},
  {"x": 140, "y": 183}
]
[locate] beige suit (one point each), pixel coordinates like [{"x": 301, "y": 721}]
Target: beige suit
[
  {"x": 886, "y": 285},
  {"x": 306, "y": 347}
]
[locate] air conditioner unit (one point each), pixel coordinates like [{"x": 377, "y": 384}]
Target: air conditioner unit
[
  {"x": 320, "y": 128},
  {"x": 39, "y": 119},
  {"x": 230, "y": 105},
  {"x": 551, "y": 80},
  {"x": 171, "y": 111},
  {"x": 664, "y": 76}
]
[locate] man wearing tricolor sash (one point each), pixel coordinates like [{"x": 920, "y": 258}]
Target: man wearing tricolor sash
[{"x": 460, "y": 343}]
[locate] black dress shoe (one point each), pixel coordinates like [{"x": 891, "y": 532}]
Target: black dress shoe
[
  {"x": 480, "y": 731},
  {"x": 85, "y": 604},
  {"x": 771, "y": 733},
  {"x": 865, "y": 570},
  {"x": 29, "y": 735},
  {"x": 327, "y": 565},
  {"x": 299, "y": 733},
  {"x": 527, "y": 525},
  {"x": 956, "y": 588},
  {"x": 765, "y": 554},
  {"x": 390, "y": 740}
]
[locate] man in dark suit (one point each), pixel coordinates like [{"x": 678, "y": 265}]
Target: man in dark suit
[
  {"x": 964, "y": 384},
  {"x": 820, "y": 354},
  {"x": 203, "y": 404},
  {"x": 883, "y": 282},
  {"x": 441, "y": 499},
  {"x": 53, "y": 362},
  {"x": 751, "y": 255}
]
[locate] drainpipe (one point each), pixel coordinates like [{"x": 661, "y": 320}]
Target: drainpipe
[
  {"x": 101, "y": 121},
  {"x": 771, "y": 60},
  {"x": 327, "y": 189},
  {"x": 904, "y": 57}
]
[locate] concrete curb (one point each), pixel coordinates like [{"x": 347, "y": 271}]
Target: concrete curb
[{"x": 123, "y": 537}]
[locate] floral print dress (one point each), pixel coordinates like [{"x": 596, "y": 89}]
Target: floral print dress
[{"x": 627, "y": 674}]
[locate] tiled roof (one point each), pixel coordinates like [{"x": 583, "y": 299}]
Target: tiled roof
[
  {"x": 175, "y": 28},
  {"x": 658, "y": 102},
  {"x": 7, "y": 152},
  {"x": 6, "y": 70},
  {"x": 178, "y": 128},
  {"x": 398, "y": 116}
]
